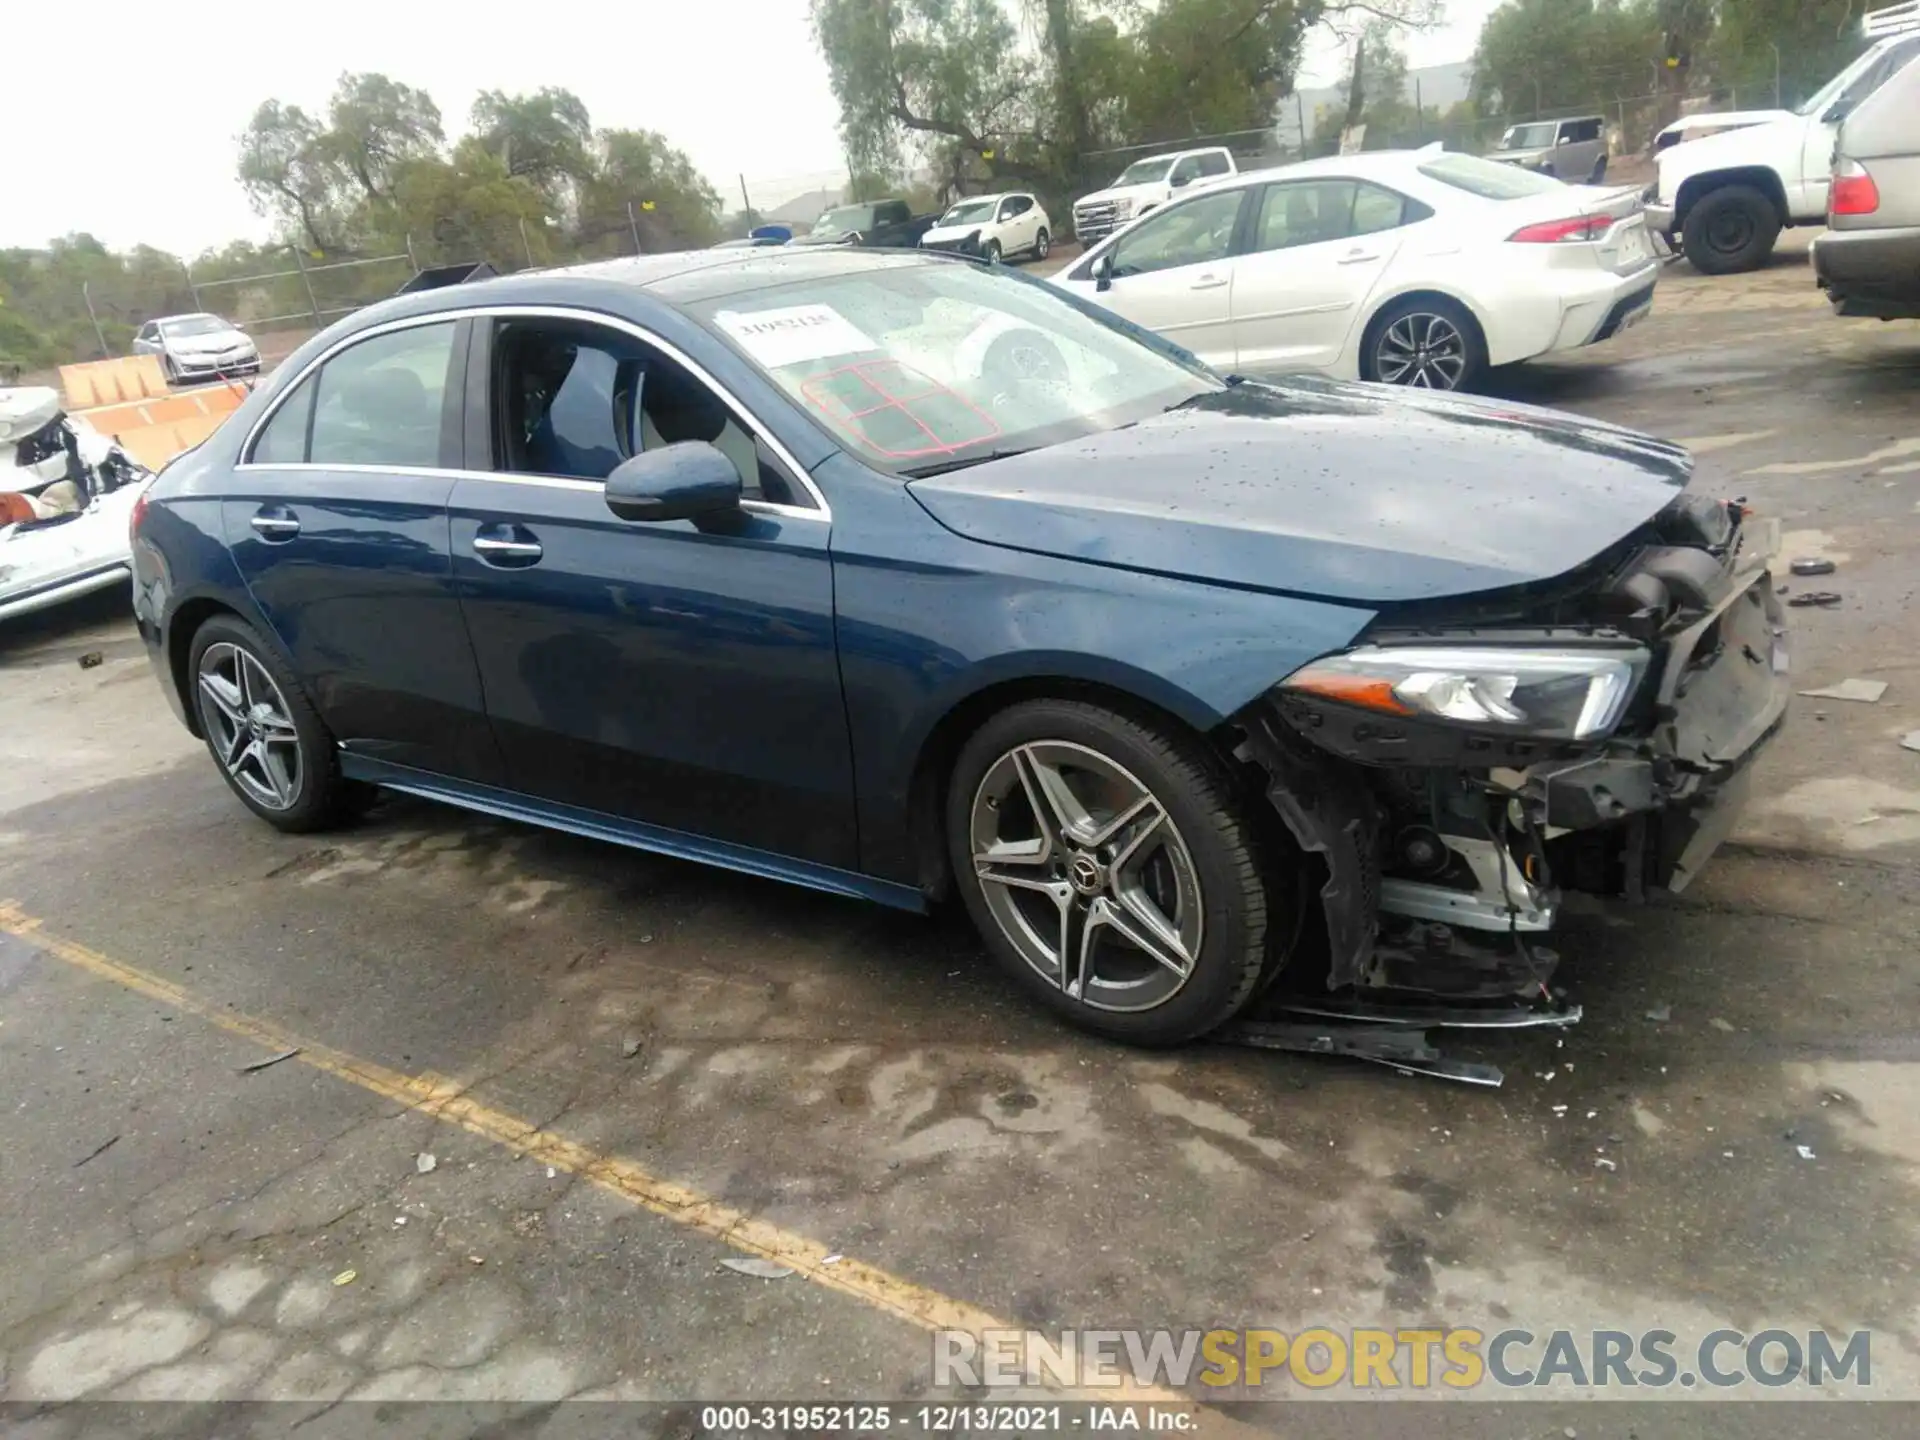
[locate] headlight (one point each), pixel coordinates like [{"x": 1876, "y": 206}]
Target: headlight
[
  {"x": 1122, "y": 209},
  {"x": 1552, "y": 694}
]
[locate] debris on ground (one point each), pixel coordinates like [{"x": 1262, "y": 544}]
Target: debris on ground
[
  {"x": 91, "y": 659},
  {"x": 629, "y": 1047},
  {"x": 1813, "y": 565},
  {"x": 1823, "y": 598},
  {"x": 758, "y": 1268},
  {"x": 1720, "y": 1024},
  {"x": 270, "y": 1061},
  {"x": 97, "y": 1151},
  {"x": 832, "y": 1259},
  {"x": 1661, "y": 1013},
  {"x": 1805, "y": 1152},
  {"x": 1865, "y": 691},
  {"x": 346, "y": 1277},
  {"x": 425, "y": 1163},
  {"x": 1910, "y": 740},
  {"x": 1601, "y": 1162}
]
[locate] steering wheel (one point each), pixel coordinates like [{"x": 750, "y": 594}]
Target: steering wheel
[{"x": 1021, "y": 362}]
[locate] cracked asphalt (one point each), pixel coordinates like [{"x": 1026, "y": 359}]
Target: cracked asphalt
[{"x": 177, "y": 1227}]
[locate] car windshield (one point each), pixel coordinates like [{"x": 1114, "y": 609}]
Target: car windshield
[
  {"x": 195, "y": 325},
  {"x": 1488, "y": 179},
  {"x": 968, "y": 213},
  {"x": 1527, "y": 137},
  {"x": 918, "y": 367},
  {"x": 847, "y": 217},
  {"x": 1146, "y": 172}
]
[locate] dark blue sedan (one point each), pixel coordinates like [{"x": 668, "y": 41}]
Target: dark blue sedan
[{"x": 900, "y": 576}]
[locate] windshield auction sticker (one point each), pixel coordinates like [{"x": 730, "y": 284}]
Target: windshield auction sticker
[{"x": 794, "y": 334}]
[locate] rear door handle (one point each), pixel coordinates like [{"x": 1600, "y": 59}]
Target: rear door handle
[
  {"x": 1359, "y": 257},
  {"x": 506, "y": 554},
  {"x": 274, "y": 524},
  {"x": 1209, "y": 282}
]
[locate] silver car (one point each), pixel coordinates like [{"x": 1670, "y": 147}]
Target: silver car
[
  {"x": 1868, "y": 260},
  {"x": 1573, "y": 149},
  {"x": 197, "y": 347}
]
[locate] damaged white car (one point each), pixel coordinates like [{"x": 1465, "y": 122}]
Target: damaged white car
[{"x": 66, "y": 495}]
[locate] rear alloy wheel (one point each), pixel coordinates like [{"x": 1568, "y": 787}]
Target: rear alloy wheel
[
  {"x": 272, "y": 748},
  {"x": 1425, "y": 344},
  {"x": 1730, "y": 230},
  {"x": 1111, "y": 869},
  {"x": 1042, "y": 244}
]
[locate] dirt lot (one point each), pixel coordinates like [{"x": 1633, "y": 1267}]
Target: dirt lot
[{"x": 628, "y": 1069}]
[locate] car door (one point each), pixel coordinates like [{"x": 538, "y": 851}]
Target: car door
[
  {"x": 337, "y": 520},
  {"x": 679, "y": 674},
  {"x": 1316, "y": 249},
  {"x": 1173, "y": 273}
]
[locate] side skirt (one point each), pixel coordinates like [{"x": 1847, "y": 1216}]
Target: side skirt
[{"x": 655, "y": 839}]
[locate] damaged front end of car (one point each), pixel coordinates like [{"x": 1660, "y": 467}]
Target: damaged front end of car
[{"x": 1466, "y": 761}]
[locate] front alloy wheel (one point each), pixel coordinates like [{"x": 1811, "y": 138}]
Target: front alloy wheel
[
  {"x": 1087, "y": 876},
  {"x": 1113, "y": 867}
]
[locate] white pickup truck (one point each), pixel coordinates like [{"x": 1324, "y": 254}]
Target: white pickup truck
[
  {"x": 1143, "y": 185},
  {"x": 1723, "y": 199}
]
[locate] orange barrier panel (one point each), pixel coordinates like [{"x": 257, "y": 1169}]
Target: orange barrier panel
[
  {"x": 155, "y": 445},
  {"x": 109, "y": 382},
  {"x": 154, "y": 431}
]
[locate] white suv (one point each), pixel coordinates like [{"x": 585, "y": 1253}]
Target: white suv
[
  {"x": 1143, "y": 185},
  {"x": 993, "y": 227},
  {"x": 1724, "y": 198}
]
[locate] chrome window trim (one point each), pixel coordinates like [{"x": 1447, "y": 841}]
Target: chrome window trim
[{"x": 549, "y": 312}]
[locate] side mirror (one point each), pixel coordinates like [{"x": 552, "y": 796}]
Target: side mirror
[
  {"x": 677, "y": 482},
  {"x": 1103, "y": 272}
]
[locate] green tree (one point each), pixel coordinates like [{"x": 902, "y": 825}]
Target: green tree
[
  {"x": 672, "y": 205},
  {"x": 288, "y": 172},
  {"x": 1805, "y": 43},
  {"x": 374, "y": 126},
  {"x": 545, "y": 137},
  {"x": 1538, "y": 56}
]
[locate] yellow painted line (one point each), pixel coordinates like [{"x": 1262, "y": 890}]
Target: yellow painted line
[{"x": 448, "y": 1101}]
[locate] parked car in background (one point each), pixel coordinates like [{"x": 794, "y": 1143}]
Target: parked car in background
[
  {"x": 66, "y": 492},
  {"x": 1144, "y": 185},
  {"x": 1573, "y": 149},
  {"x": 1412, "y": 267},
  {"x": 1723, "y": 199},
  {"x": 886, "y": 223},
  {"x": 1868, "y": 261},
  {"x": 1134, "y": 659},
  {"x": 197, "y": 347},
  {"x": 993, "y": 227}
]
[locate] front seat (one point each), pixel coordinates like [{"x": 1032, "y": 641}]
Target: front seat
[{"x": 674, "y": 407}]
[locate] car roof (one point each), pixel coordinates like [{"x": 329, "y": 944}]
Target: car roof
[
  {"x": 191, "y": 315},
  {"x": 1369, "y": 164}
]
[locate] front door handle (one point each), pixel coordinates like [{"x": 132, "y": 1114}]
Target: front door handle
[
  {"x": 506, "y": 553},
  {"x": 275, "y": 525},
  {"x": 1359, "y": 257},
  {"x": 1209, "y": 282}
]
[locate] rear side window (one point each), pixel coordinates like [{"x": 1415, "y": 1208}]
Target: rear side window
[
  {"x": 381, "y": 402},
  {"x": 284, "y": 441},
  {"x": 1214, "y": 164}
]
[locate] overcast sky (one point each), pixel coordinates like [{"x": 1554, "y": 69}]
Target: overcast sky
[{"x": 134, "y": 113}]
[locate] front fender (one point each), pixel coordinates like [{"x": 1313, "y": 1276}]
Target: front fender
[{"x": 927, "y": 621}]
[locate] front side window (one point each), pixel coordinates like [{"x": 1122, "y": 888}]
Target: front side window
[
  {"x": 1527, "y": 137},
  {"x": 381, "y": 401},
  {"x": 574, "y": 400},
  {"x": 972, "y": 212},
  {"x": 928, "y": 366},
  {"x": 1145, "y": 172},
  {"x": 1215, "y": 164},
  {"x": 1195, "y": 233}
]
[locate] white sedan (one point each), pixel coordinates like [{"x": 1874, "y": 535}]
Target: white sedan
[
  {"x": 66, "y": 496},
  {"x": 1412, "y": 267}
]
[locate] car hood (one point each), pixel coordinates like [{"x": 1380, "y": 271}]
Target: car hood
[
  {"x": 838, "y": 237},
  {"x": 1520, "y": 157},
  {"x": 1724, "y": 117},
  {"x": 216, "y": 344},
  {"x": 1335, "y": 490},
  {"x": 946, "y": 234},
  {"x": 1152, "y": 190}
]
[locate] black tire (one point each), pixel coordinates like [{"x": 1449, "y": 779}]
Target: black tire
[
  {"x": 1599, "y": 171},
  {"x": 1210, "y": 819},
  {"x": 324, "y": 798},
  {"x": 1042, "y": 244},
  {"x": 1730, "y": 230},
  {"x": 1473, "y": 345},
  {"x": 990, "y": 252},
  {"x": 168, "y": 371}
]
